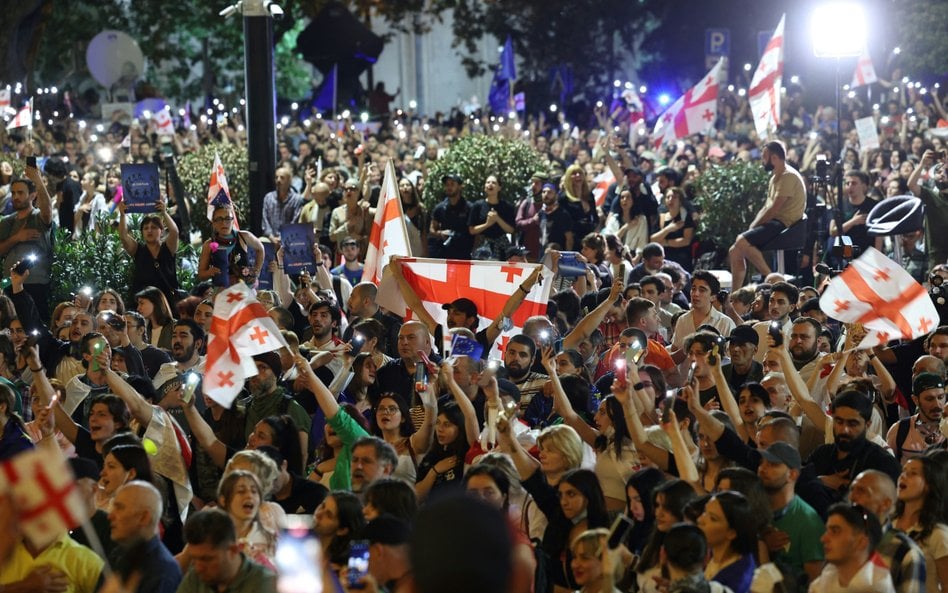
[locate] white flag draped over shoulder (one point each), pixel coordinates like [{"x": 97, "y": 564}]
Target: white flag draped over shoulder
[
  {"x": 878, "y": 293},
  {"x": 764, "y": 93},
  {"x": 240, "y": 330},
  {"x": 44, "y": 494},
  {"x": 389, "y": 236},
  {"x": 487, "y": 283},
  {"x": 694, "y": 112}
]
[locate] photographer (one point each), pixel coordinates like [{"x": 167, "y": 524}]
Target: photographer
[{"x": 936, "y": 202}]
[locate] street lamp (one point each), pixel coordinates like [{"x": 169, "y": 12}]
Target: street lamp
[
  {"x": 839, "y": 31},
  {"x": 260, "y": 91}
]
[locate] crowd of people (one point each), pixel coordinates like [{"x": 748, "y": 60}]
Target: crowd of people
[{"x": 652, "y": 432}]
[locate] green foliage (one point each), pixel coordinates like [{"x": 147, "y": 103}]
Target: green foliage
[
  {"x": 729, "y": 196},
  {"x": 293, "y": 74},
  {"x": 95, "y": 260},
  {"x": 476, "y": 157},
  {"x": 920, "y": 26},
  {"x": 195, "y": 172}
]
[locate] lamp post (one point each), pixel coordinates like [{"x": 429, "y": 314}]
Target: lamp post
[
  {"x": 260, "y": 91},
  {"x": 839, "y": 31}
]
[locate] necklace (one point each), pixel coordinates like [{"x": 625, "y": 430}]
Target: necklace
[{"x": 929, "y": 431}]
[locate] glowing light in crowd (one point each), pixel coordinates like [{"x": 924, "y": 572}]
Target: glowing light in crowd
[
  {"x": 838, "y": 29},
  {"x": 628, "y": 85},
  {"x": 413, "y": 104},
  {"x": 294, "y": 105},
  {"x": 346, "y": 114},
  {"x": 364, "y": 116},
  {"x": 643, "y": 89},
  {"x": 552, "y": 107},
  {"x": 664, "y": 99},
  {"x": 896, "y": 50},
  {"x": 747, "y": 67},
  {"x": 617, "y": 83},
  {"x": 795, "y": 79}
]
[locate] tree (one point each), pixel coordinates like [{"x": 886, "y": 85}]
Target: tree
[
  {"x": 592, "y": 37},
  {"x": 921, "y": 25}
]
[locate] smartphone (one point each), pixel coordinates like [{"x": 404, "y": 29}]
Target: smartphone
[
  {"x": 96, "y": 351},
  {"x": 358, "y": 561},
  {"x": 421, "y": 378},
  {"x": 490, "y": 370},
  {"x": 544, "y": 338},
  {"x": 298, "y": 560},
  {"x": 31, "y": 339},
  {"x": 635, "y": 352},
  {"x": 691, "y": 374},
  {"x": 31, "y": 161},
  {"x": 430, "y": 366},
  {"x": 25, "y": 264},
  {"x": 621, "y": 373},
  {"x": 620, "y": 526},
  {"x": 775, "y": 333},
  {"x": 190, "y": 385},
  {"x": 667, "y": 404},
  {"x": 357, "y": 341}
]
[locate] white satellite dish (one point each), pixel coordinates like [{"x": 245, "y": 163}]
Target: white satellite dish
[{"x": 113, "y": 57}]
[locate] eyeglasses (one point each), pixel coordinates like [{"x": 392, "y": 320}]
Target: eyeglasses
[
  {"x": 223, "y": 219},
  {"x": 351, "y": 189},
  {"x": 344, "y": 245},
  {"x": 388, "y": 410}
]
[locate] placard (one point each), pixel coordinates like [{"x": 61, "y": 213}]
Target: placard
[
  {"x": 298, "y": 241},
  {"x": 868, "y": 135},
  {"x": 140, "y": 188}
]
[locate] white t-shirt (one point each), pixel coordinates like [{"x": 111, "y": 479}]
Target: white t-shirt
[{"x": 871, "y": 578}]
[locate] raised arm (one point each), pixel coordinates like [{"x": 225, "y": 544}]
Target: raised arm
[
  {"x": 513, "y": 303},
  {"x": 43, "y": 201},
  {"x": 633, "y": 420},
  {"x": 471, "y": 428},
  {"x": 129, "y": 244},
  {"x": 140, "y": 409},
  {"x": 914, "y": 185},
  {"x": 204, "y": 434},
  {"x": 798, "y": 389},
  {"x": 728, "y": 403},
  {"x": 171, "y": 241},
  {"x": 324, "y": 398},
  {"x": 684, "y": 462},
  {"x": 412, "y": 301},
  {"x": 561, "y": 402},
  {"x": 421, "y": 439},
  {"x": 590, "y": 322}
]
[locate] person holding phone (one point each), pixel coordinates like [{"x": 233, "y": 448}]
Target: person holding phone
[
  {"x": 388, "y": 560},
  {"x": 28, "y": 231}
]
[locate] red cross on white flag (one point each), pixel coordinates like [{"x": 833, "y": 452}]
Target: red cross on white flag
[
  {"x": 487, "y": 283},
  {"x": 240, "y": 330},
  {"x": 163, "y": 123},
  {"x": 217, "y": 191},
  {"x": 601, "y": 185},
  {"x": 24, "y": 117},
  {"x": 764, "y": 93},
  {"x": 44, "y": 494},
  {"x": 389, "y": 236},
  {"x": 693, "y": 113},
  {"x": 865, "y": 72},
  {"x": 4, "y": 100},
  {"x": 878, "y": 293}
]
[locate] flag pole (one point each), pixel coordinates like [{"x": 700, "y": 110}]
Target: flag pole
[
  {"x": 29, "y": 128},
  {"x": 335, "y": 88}
]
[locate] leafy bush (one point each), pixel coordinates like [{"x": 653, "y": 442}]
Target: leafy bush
[
  {"x": 195, "y": 172},
  {"x": 95, "y": 260},
  {"x": 729, "y": 197},
  {"x": 476, "y": 157}
]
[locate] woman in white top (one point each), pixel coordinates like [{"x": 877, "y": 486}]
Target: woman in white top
[{"x": 393, "y": 424}]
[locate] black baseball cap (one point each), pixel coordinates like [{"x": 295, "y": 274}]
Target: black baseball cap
[
  {"x": 744, "y": 334},
  {"x": 453, "y": 177},
  {"x": 465, "y": 306}
]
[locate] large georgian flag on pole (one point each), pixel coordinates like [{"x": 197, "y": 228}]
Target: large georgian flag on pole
[
  {"x": 389, "y": 236},
  {"x": 44, "y": 494},
  {"x": 240, "y": 330},
  {"x": 878, "y": 293},
  {"x": 693, "y": 113},
  {"x": 24, "y": 117},
  {"x": 218, "y": 194},
  {"x": 865, "y": 72},
  {"x": 764, "y": 93},
  {"x": 488, "y": 283}
]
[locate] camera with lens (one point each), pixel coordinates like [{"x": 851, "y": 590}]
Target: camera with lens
[{"x": 824, "y": 169}]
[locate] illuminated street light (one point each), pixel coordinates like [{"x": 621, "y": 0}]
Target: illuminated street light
[{"x": 838, "y": 29}]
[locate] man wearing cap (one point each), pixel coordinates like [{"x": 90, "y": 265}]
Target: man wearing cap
[
  {"x": 449, "y": 236},
  {"x": 786, "y": 201},
  {"x": 527, "y": 219},
  {"x": 389, "y": 556},
  {"x": 742, "y": 368},
  {"x": 910, "y": 437},
  {"x": 351, "y": 267},
  {"x": 783, "y": 301},
  {"x": 267, "y": 398},
  {"x": 797, "y": 527}
]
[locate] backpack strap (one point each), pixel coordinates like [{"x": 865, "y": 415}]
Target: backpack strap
[{"x": 900, "y": 436}]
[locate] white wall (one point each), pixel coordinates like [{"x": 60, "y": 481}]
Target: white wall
[{"x": 429, "y": 70}]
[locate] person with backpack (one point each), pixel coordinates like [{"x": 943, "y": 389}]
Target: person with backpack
[{"x": 912, "y": 436}]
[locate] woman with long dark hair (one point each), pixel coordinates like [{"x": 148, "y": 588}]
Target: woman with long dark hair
[
  {"x": 337, "y": 521},
  {"x": 155, "y": 260},
  {"x": 669, "y": 500},
  {"x": 640, "y": 507},
  {"x": 443, "y": 466},
  {"x": 154, "y": 307},
  {"x": 492, "y": 219},
  {"x": 729, "y": 527},
  {"x": 417, "y": 217},
  {"x": 677, "y": 228},
  {"x": 394, "y": 425},
  {"x": 921, "y": 512}
]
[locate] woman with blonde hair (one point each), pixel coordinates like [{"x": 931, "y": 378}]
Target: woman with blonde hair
[{"x": 577, "y": 197}]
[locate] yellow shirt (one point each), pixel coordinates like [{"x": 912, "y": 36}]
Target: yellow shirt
[
  {"x": 81, "y": 565},
  {"x": 790, "y": 185}
]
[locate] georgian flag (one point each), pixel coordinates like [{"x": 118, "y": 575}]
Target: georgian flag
[
  {"x": 878, "y": 293},
  {"x": 487, "y": 283},
  {"x": 24, "y": 118},
  {"x": 44, "y": 494},
  {"x": 218, "y": 194},
  {"x": 865, "y": 72},
  {"x": 764, "y": 93},
  {"x": 693, "y": 113},
  {"x": 601, "y": 186},
  {"x": 240, "y": 330},
  {"x": 4, "y": 100},
  {"x": 389, "y": 236}
]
